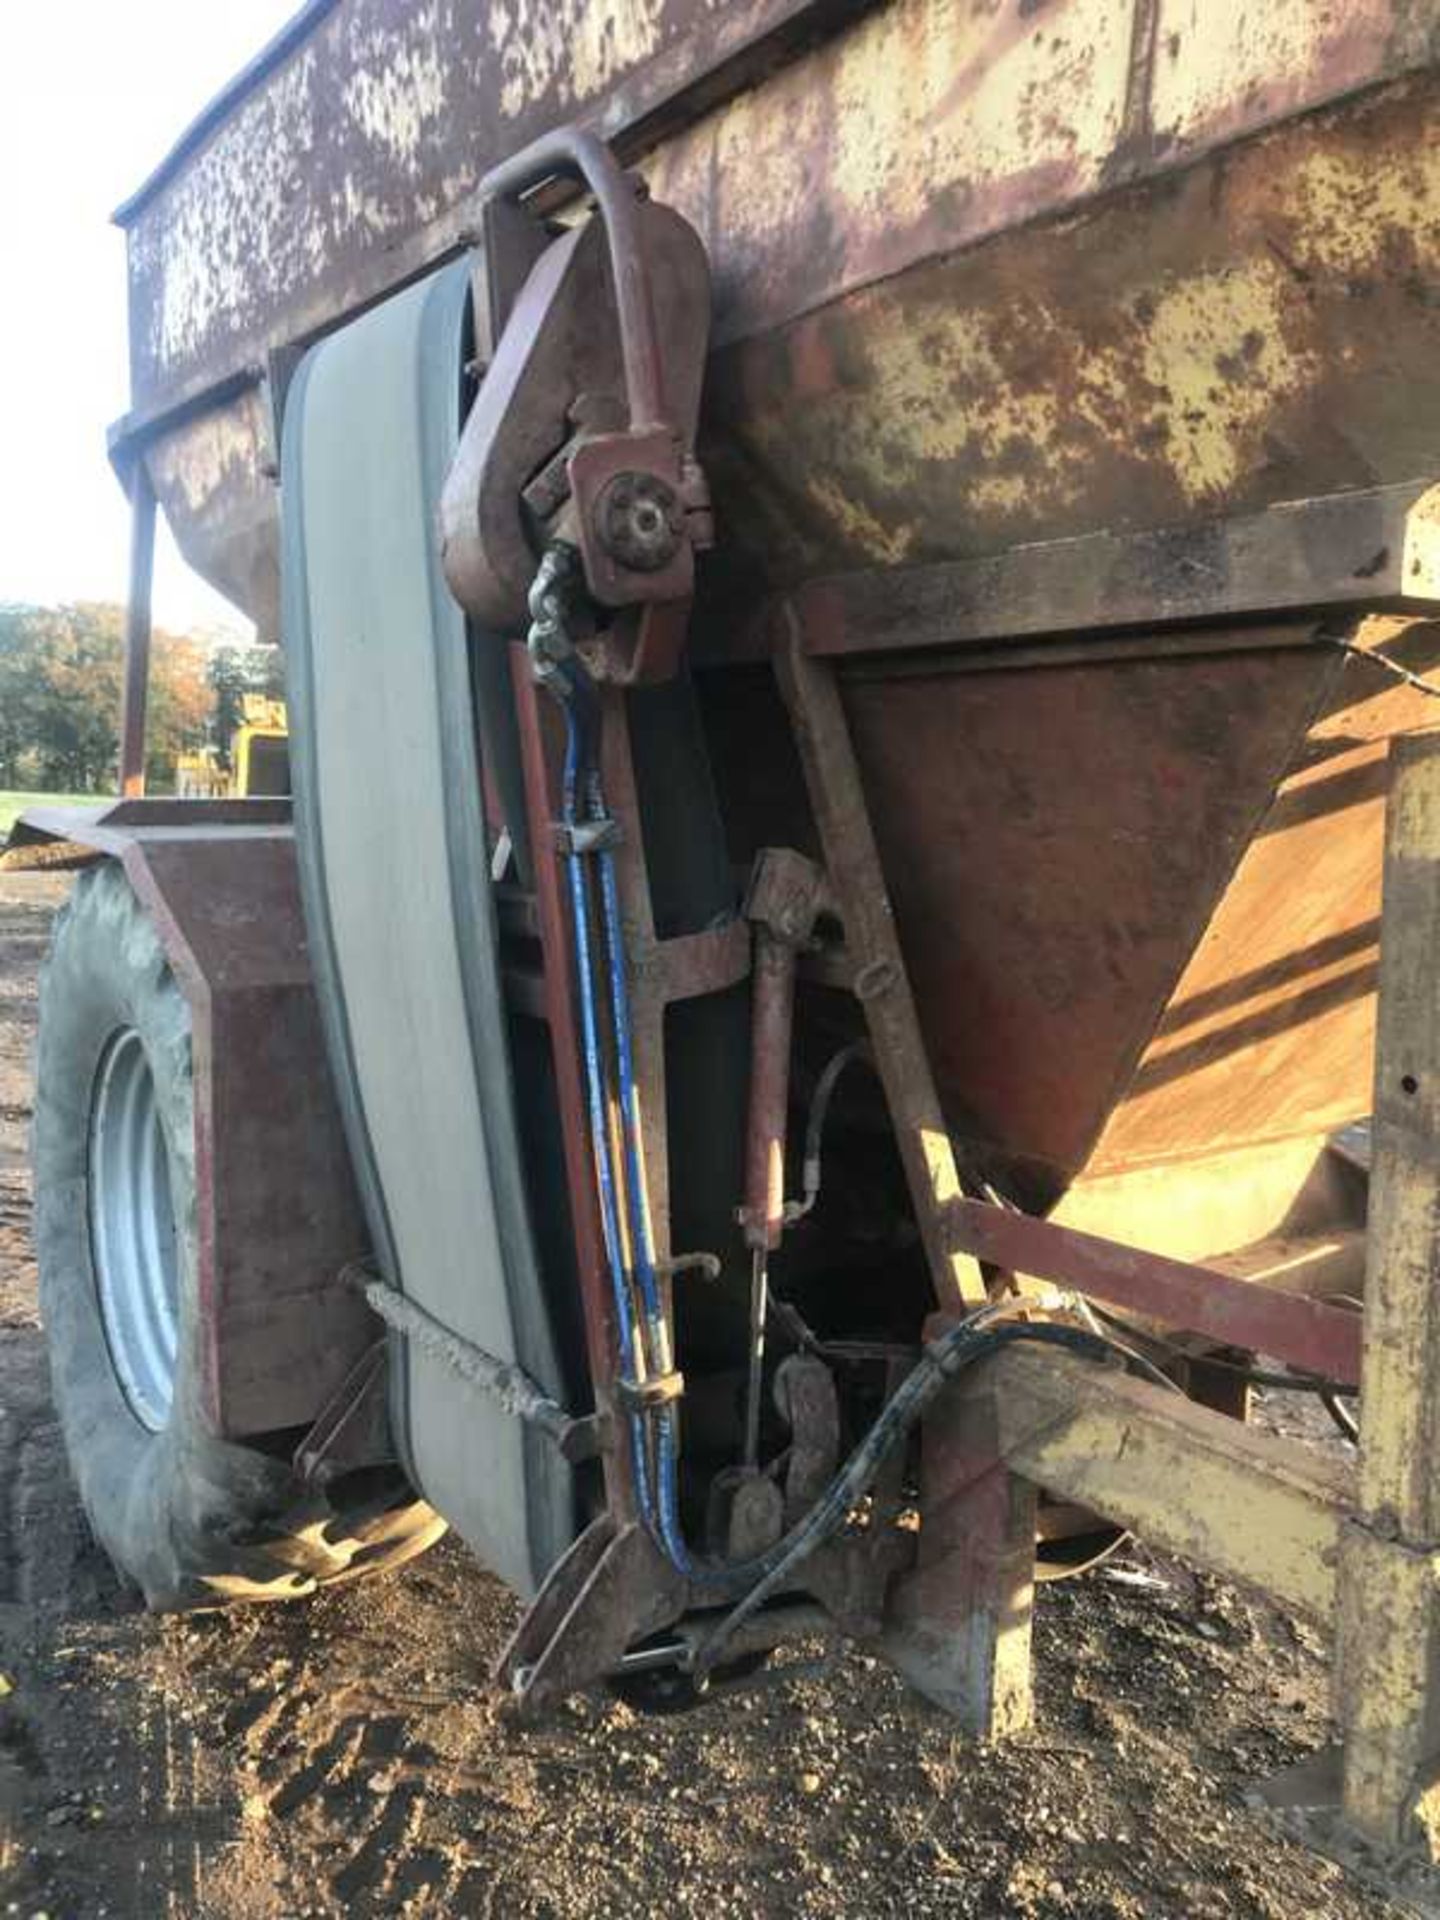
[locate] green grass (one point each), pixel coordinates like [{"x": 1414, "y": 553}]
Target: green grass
[{"x": 13, "y": 803}]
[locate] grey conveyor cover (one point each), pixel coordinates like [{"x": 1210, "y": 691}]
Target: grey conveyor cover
[{"x": 402, "y": 928}]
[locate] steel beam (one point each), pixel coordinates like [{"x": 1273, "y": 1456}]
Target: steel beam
[
  {"x": 1367, "y": 549},
  {"x": 137, "y": 634},
  {"x": 1388, "y": 1693},
  {"x": 1309, "y": 1334},
  {"x": 1258, "y": 1509},
  {"x": 958, "y": 1626},
  {"x": 1197, "y": 1482}
]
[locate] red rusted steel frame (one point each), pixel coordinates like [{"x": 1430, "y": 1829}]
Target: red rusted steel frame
[
  {"x": 690, "y": 964},
  {"x": 559, "y": 995},
  {"x": 73, "y": 834},
  {"x": 784, "y": 898},
  {"x": 958, "y": 1623},
  {"x": 1308, "y": 1334},
  {"x": 137, "y": 634}
]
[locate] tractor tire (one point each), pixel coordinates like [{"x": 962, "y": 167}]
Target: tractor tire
[{"x": 191, "y": 1518}]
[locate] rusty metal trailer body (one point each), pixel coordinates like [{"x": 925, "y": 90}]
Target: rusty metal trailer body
[{"x": 1070, "y": 434}]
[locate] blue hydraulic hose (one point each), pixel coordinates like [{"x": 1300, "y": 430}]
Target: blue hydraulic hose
[
  {"x": 667, "y": 1442},
  {"x": 609, "y": 1213},
  {"x": 583, "y": 802}
]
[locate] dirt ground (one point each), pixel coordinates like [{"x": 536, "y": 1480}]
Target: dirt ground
[{"x": 346, "y": 1757}]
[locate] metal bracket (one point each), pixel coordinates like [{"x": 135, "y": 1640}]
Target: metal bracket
[{"x": 584, "y": 425}]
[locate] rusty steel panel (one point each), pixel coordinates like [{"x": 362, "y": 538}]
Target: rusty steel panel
[
  {"x": 1215, "y": 72},
  {"x": 930, "y": 125},
  {"x": 345, "y": 169},
  {"x": 1270, "y": 1030},
  {"x": 214, "y": 478},
  {"x": 820, "y": 147},
  {"x": 1054, "y": 840},
  {"x": 1139, "y": 897},
  {"x": 922, "y": 126},
  {"x": 886, "y": 390},
  {"x": 1259, "y": 327}
]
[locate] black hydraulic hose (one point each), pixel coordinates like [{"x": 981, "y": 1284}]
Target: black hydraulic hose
[
  {"x": 815, "y": 1125},
  {"x": 940, "y": 1362}
]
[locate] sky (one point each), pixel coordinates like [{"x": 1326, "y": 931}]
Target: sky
[{"x": 92, "y": 94}]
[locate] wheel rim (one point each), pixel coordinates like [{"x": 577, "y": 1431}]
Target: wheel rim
[{"x": 132, "y": 1229}]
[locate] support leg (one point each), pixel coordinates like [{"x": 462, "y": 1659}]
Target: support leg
[
  {"x": 958, "y": 1627},
  {"x": 857, "y": 879},
  {"x": 137, "y": 634},
  {"x": 1388, "y": 1657}
]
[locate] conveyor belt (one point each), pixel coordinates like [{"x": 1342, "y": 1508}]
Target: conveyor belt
[{"x": 402, "y": 928}]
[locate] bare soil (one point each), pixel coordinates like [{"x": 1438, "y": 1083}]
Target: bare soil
[{"x": 347, "y": 1756}]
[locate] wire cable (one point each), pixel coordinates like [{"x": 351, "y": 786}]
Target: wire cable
[
  {"x": 1383, "y": 662},
  {"x": 1342, "y": 1416}
]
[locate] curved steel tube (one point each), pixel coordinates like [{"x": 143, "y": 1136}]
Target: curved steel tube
[{"x": 570, "y": 150}]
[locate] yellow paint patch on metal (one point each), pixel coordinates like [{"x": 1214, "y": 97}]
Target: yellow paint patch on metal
[
  {"x": 990, "y": 95},
  {"x": 573, "y": 47},
  {"x": 937, "y": 395},
  {"x": 940, "y": 1161},
  {"x": 1389, "y": 1598},
  {"x": 605, "y": 41},
  {"x": 1420, "y": 567},
  {"x": 1215, "y": 64},
  {"x": 216, "y": 449},
  {"x": 1214, "y": 350},
  {"x": 1243, "y": 1503},
  {"x": 1348, "y": 207},
  {"x": 923, "y": 113},
  {"x": 396, "y": 94},
  {"x": 1013, "y": 410},
  {"x": 887, "y": 546},
  {"x": 1249, "y": 334}
]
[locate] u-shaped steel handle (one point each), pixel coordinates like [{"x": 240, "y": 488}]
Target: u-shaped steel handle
[{"x": 570, "y": 150}]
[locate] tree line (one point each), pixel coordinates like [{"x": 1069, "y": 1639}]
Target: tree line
[{"x": 60, "y": 680}]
